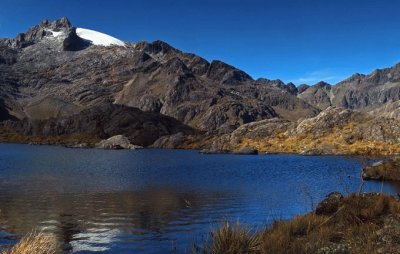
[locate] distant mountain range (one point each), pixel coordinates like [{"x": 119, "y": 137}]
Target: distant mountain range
[{"x": 55, "y": 76}]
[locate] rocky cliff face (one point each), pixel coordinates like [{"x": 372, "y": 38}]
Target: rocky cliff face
[
  {"x": 319, "y": 95},
  {"x": 106, "y": 120}
]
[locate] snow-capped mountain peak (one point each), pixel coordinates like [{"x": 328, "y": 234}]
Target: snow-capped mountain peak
[{"x": 98, "y": 38}]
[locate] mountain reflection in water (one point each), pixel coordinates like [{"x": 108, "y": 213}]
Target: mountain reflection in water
[
  {"x": 157, "y": 201},
  {"x": 92, "y": 221}
]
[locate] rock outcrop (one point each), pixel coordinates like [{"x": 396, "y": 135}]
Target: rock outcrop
[
  {"x": 318, "y": 95},
  {"x": 117, "y": 142},
  {"x": 107, "y": 120},
  {"x": 330, "y": 204},
  {"x": 333, "y": 131},
  {"x": 387, "y": 170}
]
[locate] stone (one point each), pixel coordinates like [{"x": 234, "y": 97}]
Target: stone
[
  {"x": 386, "y": 170},
  {"x": 330, "y": 204},
  {"x": 117, "y": 142}
]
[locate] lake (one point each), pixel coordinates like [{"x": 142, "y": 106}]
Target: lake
[{"x": 158, "y": 201}]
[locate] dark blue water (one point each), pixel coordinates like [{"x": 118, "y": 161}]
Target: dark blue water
[{"x": 157, "y": 201}]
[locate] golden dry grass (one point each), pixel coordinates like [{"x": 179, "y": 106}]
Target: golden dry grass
[
  {"x": 351, "y": 229},
  {"x": 332, "y": 142},
  {"x": 36, "y": 243},
  {"x": 231, "y": 239}
]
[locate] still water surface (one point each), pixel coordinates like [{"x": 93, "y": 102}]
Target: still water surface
[{"x": 157, "y": 201}]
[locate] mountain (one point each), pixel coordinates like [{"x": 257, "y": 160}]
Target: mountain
[
  {"x": 362, "y": 92},
  {"x": 53, "y": 66},
  {"x": 57, "y": 80}
]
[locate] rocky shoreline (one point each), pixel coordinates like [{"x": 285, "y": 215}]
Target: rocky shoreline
[
  {"x": 383, "y": 170},
  {"x": 211, "y": 144}
]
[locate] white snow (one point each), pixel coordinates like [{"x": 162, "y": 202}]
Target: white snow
[
  {"x": 55, "y": 34},
  {"x": 98, "y": 38}
]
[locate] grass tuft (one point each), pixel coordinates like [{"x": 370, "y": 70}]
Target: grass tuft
[
  {"x": 367, "y": 223},
  {"x": 232, "y": 239},
  {"x": 36, "y": 243}
]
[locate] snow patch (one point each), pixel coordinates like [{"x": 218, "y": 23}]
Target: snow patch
[
  {"x": 57, "y": 34},
  {"x": 98, "y": 38},
  {"x": 54, "y": 33}
]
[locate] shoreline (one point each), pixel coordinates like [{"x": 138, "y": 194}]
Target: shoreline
[{"x": 82, "y": 145}]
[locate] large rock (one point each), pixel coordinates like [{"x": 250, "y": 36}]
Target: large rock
[
  {"x": 330, "y": 204},
  {"x": 331, "y": 117},
  {"x": 387, "y": 170},
  {"x": 389, "y": 110},
  {"x": 117, "y": 142}
]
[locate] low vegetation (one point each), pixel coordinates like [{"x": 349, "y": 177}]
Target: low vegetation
[
  {"x": 388, "y": 170},
  {"x": 368, "y": 223},
  {"x": 8, "y": 135},
  {"x": 35, "y": 243},
  {"x": 335, "y": 141},
  {"x": 230, "y": 239}
]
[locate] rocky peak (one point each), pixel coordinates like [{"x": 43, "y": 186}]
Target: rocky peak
[
  {"x": 318, "y": 95},
  {"x": 62, "y": 23},
  {"x": 226, "y": 74},
  {"x": 355, "y": 78},
  {"x": 157, "y": 47},
  {"x": 291, "y": 88},
  {"x": 322, "y": 84},
  {"x": 301, "y": 88},
  {"x": 277, "y": 82},
  {"x": 37, "y": 32}
]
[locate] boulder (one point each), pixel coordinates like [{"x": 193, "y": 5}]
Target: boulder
[
  {"x": 117, "y": 142},
  {"x": 330, "y": 204},
  {"x": 169, "y": 141},
  {"x": 386, "y": 170}
]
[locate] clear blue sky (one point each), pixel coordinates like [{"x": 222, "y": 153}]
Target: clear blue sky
[{"x": 293, "y": 40}]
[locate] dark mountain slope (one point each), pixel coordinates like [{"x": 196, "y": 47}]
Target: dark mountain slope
[{"x": 50, "y": 68}]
